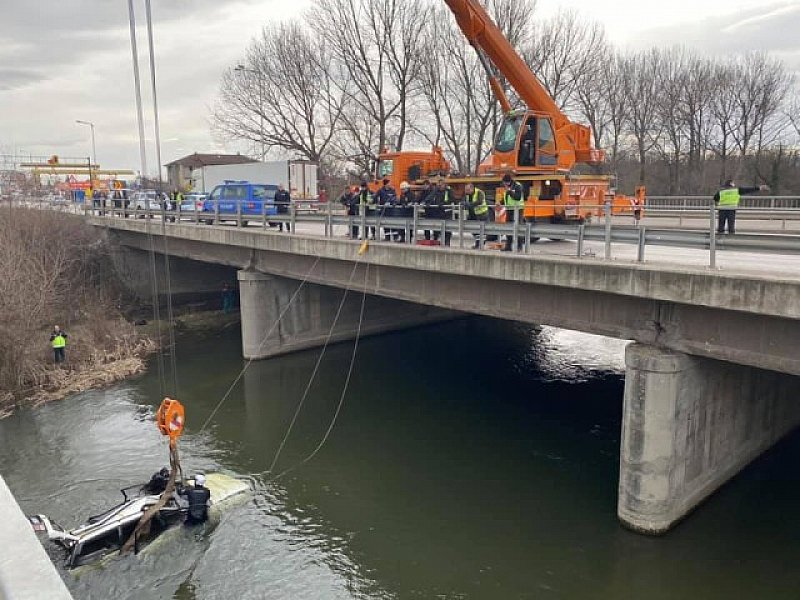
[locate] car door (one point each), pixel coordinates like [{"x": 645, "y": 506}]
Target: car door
[{"x": 231, "y": 197}]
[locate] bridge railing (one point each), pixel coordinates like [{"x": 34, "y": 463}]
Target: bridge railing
[{"x": 452, "y": 226}]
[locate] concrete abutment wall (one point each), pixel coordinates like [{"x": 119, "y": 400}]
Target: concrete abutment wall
[
  {"x": 690, "y": 424},
  {"x": 311, "y": 312}
]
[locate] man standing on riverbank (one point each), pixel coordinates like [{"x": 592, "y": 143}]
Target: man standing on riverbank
[{"x": 58, "y": 340}]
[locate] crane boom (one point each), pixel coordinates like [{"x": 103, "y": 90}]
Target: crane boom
[
  {"x": 490, "y": 43},
  {"x": 485, "y": 36}
]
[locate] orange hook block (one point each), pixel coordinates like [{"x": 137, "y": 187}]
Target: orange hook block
[{"x": 170, "y": 419}]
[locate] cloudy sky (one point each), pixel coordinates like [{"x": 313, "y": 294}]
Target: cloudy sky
[{"x": 62, "y": 60}]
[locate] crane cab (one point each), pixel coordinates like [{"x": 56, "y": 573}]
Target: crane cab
[{"x": 526, "y": 143}]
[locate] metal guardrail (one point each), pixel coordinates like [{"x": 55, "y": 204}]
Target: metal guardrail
[{"x": 456, "y": 227}]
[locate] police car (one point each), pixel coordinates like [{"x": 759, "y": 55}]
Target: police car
[{"x": 240, "y": 197}]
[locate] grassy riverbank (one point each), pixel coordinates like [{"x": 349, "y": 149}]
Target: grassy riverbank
[{"x": 56, "y": 270}]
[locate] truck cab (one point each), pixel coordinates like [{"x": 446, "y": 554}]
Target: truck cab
[{"x": 241, "y": 197}]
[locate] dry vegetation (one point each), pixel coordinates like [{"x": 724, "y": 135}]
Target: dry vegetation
[
  {"x": 55, "y": 269},
  {"x": 351, "y": 77}
]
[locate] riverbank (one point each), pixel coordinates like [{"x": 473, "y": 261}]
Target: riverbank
[
  {"x": 125, "y": 358},
  {"x": 73, "y": 283}
]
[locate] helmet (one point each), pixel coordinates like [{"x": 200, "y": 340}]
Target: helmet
[{"x": 199, "y": 479}]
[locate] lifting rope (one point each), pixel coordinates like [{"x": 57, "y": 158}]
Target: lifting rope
[
  {"x": 170, "y": 419},
  {"x": 319, "y": 361},
  {"x": 260, "y": 345},
  {"x": 344, "y": 387}
]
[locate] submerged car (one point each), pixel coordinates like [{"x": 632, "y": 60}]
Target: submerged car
[{"x": 107, "y": 532}]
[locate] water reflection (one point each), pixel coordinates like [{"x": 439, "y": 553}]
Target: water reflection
[{"x": 476, "y": 458}]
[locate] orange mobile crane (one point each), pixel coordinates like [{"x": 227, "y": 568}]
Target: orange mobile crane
[{"x": 539, "y": 145}]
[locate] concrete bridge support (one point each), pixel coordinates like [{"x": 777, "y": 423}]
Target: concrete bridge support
[
  {"x": 307, "y": 322},
  {"x": 689, "y": 425}
]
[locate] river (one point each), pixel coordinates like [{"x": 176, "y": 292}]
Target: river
[{"x": 470, "y": 459}]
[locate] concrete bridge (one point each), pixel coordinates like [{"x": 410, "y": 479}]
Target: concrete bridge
[{"x": 711, "y": 377}]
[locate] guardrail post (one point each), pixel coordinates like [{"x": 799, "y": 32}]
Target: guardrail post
[
  {"x": 362, "y": 211},
  {"x": 216, "y": 212},
  {"x": 482, "y": 235},
  {"x": 330, "y": 218},
  {"x": 514, "y": 243},
  {"x": 460, "y": 226},
  {"x": 581, "y": 233},
  {"x": 293, "y": 215},
  {"x": 238, "y": 213},
  {"x": 640, "y": 253},
  {"x": 712, "y": 238},
  {"x": 527, "y": 238},
  {"x": 415, "y": 222},
  {"x": 607, "y": 210},
  {"x": 444, "y": 231}
]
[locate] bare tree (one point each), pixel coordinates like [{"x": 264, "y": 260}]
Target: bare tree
[
  {"x": 288, "y": 96},
  {"x": 565, "y": 52},
  {"x": 761, "y": 88},
  {"x": 640, "y": 85},
  {"x": 375, "y": 43}
]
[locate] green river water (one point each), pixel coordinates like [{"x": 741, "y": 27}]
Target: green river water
[{"x": 471, "y": 459}]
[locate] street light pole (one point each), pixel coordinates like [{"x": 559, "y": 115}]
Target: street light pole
[
  {"x": 243, "y": 69},
  {"x": 94, "y": 151}
]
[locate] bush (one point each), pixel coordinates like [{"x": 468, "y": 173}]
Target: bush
[{"x": 54, "y": 269}]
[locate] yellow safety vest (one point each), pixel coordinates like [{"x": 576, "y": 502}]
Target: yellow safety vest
[
  {"x": 729, "y": 197},
  {"x": 59, "y": 341},
  {"x": 478, "y": 203},
  {"x": 510, "y": 201}
]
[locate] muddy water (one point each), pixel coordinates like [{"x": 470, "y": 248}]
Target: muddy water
[{"x": 472, "y": 459}]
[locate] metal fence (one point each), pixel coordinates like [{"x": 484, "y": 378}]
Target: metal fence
[
  {"x": 455, "y": 227},
  {"x": 692, "y": 202}
]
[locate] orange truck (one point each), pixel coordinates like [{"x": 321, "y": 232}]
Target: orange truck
[{"x": 538, "y": 145}]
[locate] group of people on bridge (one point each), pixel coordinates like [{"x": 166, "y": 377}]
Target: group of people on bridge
[{"x": 438, "y": 202}]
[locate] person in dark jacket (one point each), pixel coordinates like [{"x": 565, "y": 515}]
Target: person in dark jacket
[
  {"x": 727, "y": 199},
  {"x": 438, "y": 205},
  {"x": 386, "y": 199},
  {"x": 197, "y": 496},
  {"x": 282, "y": 202},
  {"x": 349, "y": 199},
  {"x": 405, "y": 202},
  {"x": 158, "y": 482}
]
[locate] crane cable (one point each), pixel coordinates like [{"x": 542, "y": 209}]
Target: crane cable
[
  {"x": 263, "y": 341},
  {"x": 319, "y": 360},
  {"x": 344, "y": 387},
  {"x": 157, "y": 130}
]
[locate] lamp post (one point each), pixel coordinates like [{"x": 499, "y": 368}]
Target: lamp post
[
  {"x": 94, "y": 152},
  {"x": 243, "y": 69}
]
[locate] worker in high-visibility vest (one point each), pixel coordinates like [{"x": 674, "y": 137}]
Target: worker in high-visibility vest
[
  {"x": 58, "y": 340},
  {"x": 514, "y": 201},
  {"x": 727, "y": 199},
  {"x": 475, "y": 200},
  {"x": 366, "y": 206}
]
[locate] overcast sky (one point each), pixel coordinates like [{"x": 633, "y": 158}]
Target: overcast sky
[{"x": 62, "y": 60}]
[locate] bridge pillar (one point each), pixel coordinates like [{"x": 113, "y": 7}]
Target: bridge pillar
[
  {"x": 308, "y": 320},
  {"x": 690, "y": 424}
]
